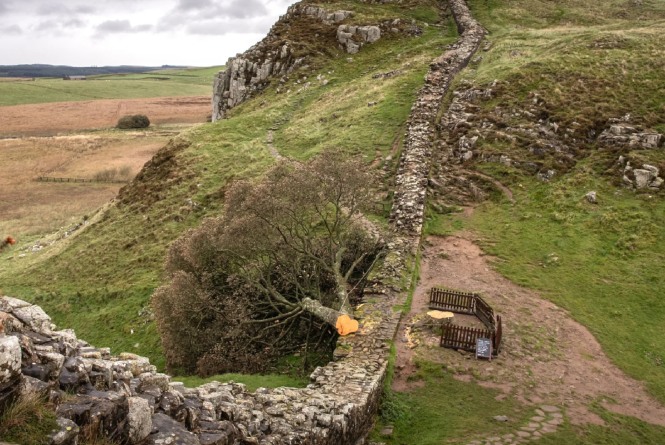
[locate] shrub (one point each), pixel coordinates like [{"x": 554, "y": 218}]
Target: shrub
[
  {"x": 106, "y": 175},
  {"x": 133, "y": 121},
  {"x": 27, "y": 421}
]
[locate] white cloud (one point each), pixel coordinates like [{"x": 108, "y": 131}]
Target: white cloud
[{"x": 179, "y": 32}]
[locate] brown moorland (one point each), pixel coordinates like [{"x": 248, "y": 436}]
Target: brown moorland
[
  {"x": 52, "y": 118},
  {"x": 76, "y": 140}
]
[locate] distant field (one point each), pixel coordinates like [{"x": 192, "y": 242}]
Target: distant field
[
  {"x": 167, "y": 83},
  {"x": 48, "y": 119},
  {"x": 28, "y": 207}
]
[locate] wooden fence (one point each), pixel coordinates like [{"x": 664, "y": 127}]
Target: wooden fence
[
  {"x": 49, "y": 179},
  {"x": 454, "y": 301},
  {"x": 465, "y": 338},
  {"x": 462, "y": 337},
  {"x": 484, "y": 312}
]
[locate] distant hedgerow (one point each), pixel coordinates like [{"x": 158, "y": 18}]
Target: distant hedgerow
[{"x": 133, "y": 121}]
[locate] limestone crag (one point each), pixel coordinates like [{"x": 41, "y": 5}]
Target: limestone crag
[
  {"x": 644, "y": 177},
  {"x": 621, "y": 133},
  {"x": 274, "y": 56},
  {"x": 412, "y": 176},
  {"x": 352, "y": 38},
  {"x": 329, "y": 18},
  {"x": 278, "y": 54},
  {"x": 548, "y": 147}
]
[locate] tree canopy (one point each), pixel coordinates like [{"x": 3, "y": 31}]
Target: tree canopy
[{"x": 274, "y": 273}]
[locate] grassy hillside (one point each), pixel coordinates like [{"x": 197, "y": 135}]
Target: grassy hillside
[
  {"x": 577, "y": 64},
  {"x": 166, "y": 83},
  {"x": 105, "y": 275},
  {"x": 586, "y": 65}
]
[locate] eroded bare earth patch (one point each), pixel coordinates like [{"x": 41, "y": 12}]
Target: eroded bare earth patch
[{"x": 546, "y": 358}]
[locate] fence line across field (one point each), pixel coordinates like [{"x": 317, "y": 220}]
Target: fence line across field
[{"x": 79, "y": 180}]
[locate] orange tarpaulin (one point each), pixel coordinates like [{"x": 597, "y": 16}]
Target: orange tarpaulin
[{"x": 346, "y": 325}]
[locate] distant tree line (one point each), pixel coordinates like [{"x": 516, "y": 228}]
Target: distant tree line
[{"x": 39, "y": 70}]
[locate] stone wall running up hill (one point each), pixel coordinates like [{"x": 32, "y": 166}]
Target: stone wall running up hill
[
  {"x": 124, "y": 397},
  {"x": 412, "y": 176}
]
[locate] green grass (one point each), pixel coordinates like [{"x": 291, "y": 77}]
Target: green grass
[
  {"x": 27, "y": 421},
  {"x": 586, "y": 65},
  {"x": 618, "y": 430},
  {"x": 252, "y": 381},
  {"x": 190, "y": 82},
  {"x": 106, "y": 274},
  {"x": 445, "y": 410},
  {"x": 609, "y": 272}
]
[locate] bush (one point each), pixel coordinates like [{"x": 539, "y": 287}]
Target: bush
[{"x": 133, "y": 121}]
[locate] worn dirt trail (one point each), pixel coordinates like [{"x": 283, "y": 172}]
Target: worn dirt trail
[{"x": 546, "y": 357}]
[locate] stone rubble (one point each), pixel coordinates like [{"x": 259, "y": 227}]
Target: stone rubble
[
  {"x": 545, "y": 421},
  {"x": 621, "y": 133},
  {"x": 352, "y": 38},
  {"x": 645, "y": 177},
  {"x": 466, "y": 131},
  {"x": 126, "y": 398}
]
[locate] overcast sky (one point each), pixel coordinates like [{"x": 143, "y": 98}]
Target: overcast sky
[{"x": 132, "y": 32}]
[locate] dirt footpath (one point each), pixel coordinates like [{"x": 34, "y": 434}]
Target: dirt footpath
[
  {"x": 546, "y": 358},
  {"x": 52, "y": 118}
]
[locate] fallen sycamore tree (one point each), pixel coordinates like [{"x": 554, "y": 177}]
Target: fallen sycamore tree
[{"x": 274, "y": 274}]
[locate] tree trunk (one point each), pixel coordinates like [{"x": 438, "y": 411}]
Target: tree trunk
[{"x": 325, "y": 313}]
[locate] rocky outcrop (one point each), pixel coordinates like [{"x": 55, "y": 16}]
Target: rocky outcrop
[
  {"x": 328, "y": 18},
  {"x": 281, "y": 52},
  {"x": 352, "y": 38},
  {"x": 274, "y": 56},
  {"x": 621, "y": 133},
  {"x": 412, "y": 176},
  {"x": 644, "y": 177}
]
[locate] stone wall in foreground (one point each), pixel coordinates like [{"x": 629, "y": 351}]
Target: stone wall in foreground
[{"x": 124, "y": 397}]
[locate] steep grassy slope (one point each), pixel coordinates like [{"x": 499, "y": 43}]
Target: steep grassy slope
[{"x": 104, "y": 277}]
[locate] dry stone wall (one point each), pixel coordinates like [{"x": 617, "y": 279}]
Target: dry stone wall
[
  {"x": 412, "y": 176},
  {"x": 124, "y": 396}
]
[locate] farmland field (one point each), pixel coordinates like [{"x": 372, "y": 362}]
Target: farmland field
[
  {"x": 52, "y": 118},
  {"x": 167, "y": 83},
  {"x": 74, "y": 138}
]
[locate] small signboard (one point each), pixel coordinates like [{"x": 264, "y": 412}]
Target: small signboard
[{"x": 484, "y": 348}]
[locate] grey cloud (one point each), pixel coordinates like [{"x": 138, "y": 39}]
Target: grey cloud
[
  {"x": 204, "y": 16},
  {"x": 73, "y": 23},
  {"x": 85, "y": 9},
  {"x": 3, "y": 8},
  {"x": 119, "y": 26},
  {"x": 47, "y": 25},
  {"x": 11, "y": 29},
  {"x": 222, "y": 27},
  {"x": 189, "y": 5},
  {"x": 53, "y": 9},
  {"x": 241, "y": 9}
]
